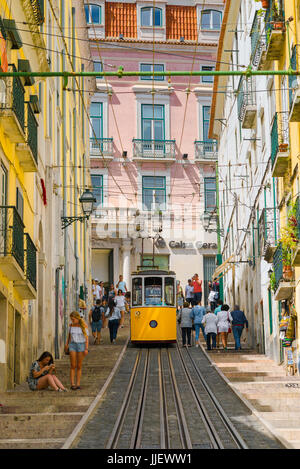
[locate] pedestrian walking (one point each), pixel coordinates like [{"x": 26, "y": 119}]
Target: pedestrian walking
[
  {"x": 114, "y": 315},
  {"x": 239, "y": 320},
  {"x": 212, "y": 300},
  {"x": 121, "y": 285},
  {"x": 224, "y": 318},
  {"x": 218, "y": 308},
  {"x": 210, "y": 321},
  {"x": 112, "y": 292},
  {"x": 197, "y": 284},
  {"x": 179, "y": 295},
  {"x": 42, "y": 374},
  {"x": 197, "y": 314},
  {"x": 189, "y": 293},
  {"x": 78, "y": 346},
  {"x": 120, "y": 302},
  {"x": 96, "y": 319},
  {"x": 184, "y": 317}
]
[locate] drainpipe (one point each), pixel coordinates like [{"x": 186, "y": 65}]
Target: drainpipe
[
  {"x": 65, "y": 214},
  {"x": 219, "y": 255},
  {"x": 56, "y": 340}
]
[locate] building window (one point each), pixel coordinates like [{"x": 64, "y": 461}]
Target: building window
[
  {"x": 19, "y": 203},
  {"x": 93, "y": 14},
  {"x": 210, "y": 194},
  {"x": 211, "y": 19},
  {"x": 149, "y": 68},
  {"x": 151, "y": 16},
  {"x": 3, "y": 185},
  {"x": 210, "y": 78},
  {"x": 153, "y": 122},
  {"x": 97, "y": 183},
  {"x": 98, "y": 67},
  {"x": 206, "y": 119},
  {"x": 97, "y": 120},
  {"x": 154, "y": 192}
]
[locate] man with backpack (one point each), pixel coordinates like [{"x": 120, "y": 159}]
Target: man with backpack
[{"x": 96, "y": 317}]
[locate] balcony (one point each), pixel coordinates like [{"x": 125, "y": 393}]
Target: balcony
[
  {"x": 284, "y": 283},
  {"x": 154, "y": 150},
  {"x": 206, "y": 150},
  {"x": 258, "y": 44},
  {"x": 38, "y": 11},
  {"x": 11, "y": 243},
  {"x": 27, "y": 152},
  {"x": 268, "y": 232},
  {"x": 280, "y": 155},
  {"x": 12, "y": 107},
  {"x": 27, "y": 287},
  {"x": 296, "y": 253},
  {"x": 275, "y": 32},
  {"x": 246, "y": 102},
  {"x": 102, "y": 148}
]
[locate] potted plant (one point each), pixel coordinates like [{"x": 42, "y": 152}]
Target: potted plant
[
  {"x": 273, "y": 282},
  {"x": 283, "y": 147},
  {"x": 277, "y": 18},
  {"x": 289, "y": 242}
]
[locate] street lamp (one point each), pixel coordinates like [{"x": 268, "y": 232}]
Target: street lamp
[
  {"x": 87, "y": 201},
  {"x": 206, "y": 218}
]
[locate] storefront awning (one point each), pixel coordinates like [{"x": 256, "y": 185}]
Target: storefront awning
[{"x": 222, "y": 269}]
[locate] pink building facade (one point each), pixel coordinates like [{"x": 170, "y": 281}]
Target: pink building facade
[{"x": 153, "y": 167}]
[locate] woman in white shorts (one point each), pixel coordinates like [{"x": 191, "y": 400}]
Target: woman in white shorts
[
  {"x": 121, "y": 305},
  {"x": 224, "y": 318}
]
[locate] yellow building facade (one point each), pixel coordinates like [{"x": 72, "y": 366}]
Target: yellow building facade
[{"x": 44, "y": 168}]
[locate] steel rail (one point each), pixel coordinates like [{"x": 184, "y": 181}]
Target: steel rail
[
  {"x": 138, "y": 425},
  {"x": 226, "y": 420},
  {"x": 209, "y": 426},
  {"x": 182, "y": 424},
  {"x": 164, "y": 433},
  {"x": 115, "y": 434}
]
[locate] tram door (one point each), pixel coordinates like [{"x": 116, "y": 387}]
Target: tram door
[{"x": 209, "y": 266}]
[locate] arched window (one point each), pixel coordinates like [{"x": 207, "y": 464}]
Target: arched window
[
  {"x": 211, "y": 19},
  {"x": 151, "y": 16},
  {"x": 93, "y": 14}
]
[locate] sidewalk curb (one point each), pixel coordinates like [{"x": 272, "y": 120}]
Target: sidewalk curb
[
  {"x": 93, "y": 407},
  {"x": 270, "y": 427}
]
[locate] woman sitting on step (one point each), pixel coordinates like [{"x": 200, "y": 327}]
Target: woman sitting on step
[{"x": 41, "y": 374}]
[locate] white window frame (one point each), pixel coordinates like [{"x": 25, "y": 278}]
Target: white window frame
[
  {"x": 159, "y": 100},
  {"x": 153, "y": 172},
  {"x": 104, "y": 173}
]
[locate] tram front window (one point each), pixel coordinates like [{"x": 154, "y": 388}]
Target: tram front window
[
  {"x": 137, "y": 297},
  {"x": 169, "y": 291},
  {"x": 153, "y": 291}
]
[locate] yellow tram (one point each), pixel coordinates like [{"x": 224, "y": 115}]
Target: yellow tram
[{"x": 153, "y": 307}]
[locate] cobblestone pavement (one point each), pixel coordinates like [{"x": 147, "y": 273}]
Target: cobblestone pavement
[{"x": 45, "y": 419}]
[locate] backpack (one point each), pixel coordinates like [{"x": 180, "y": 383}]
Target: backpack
[{"x": 96, "y": 314}]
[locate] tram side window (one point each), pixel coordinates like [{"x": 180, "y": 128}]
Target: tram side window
[
  {"x": 169, "y": 291},
  {"x": 137, "y": 297},
  {"x": 153, "y": 291}
]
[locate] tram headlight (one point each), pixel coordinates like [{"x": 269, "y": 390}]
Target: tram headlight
[{"x": 153, "y": 324}]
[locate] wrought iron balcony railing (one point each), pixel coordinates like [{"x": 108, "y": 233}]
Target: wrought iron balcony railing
[
  {"x": 279, "y": 134},
  {"x": 11, "y": 234},
  {"x": 160, "y": 149},
  {"x": 206, "y": 149},
  {"x": 101, "y": 146},
  {"x": 30, "y": 261},
  {"x": 12, "y": 97},
  {"x": 278, "y": 265},
  {"x": 298, "y": 215},
  {"x": 268, "y": 232},
  {"x": 38, "y": 10},
  {"x": 274, "y": 19},
  {"x": 246, "y": 97}
]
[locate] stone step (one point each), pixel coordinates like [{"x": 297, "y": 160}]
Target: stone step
[
  {"x": 50, "y": 443},
  {"x": 38, "y": 425},
  {"x": 290, "y": 434},
  {"x": 252, "y": 378},
  {"x": 282, "y": 416},
  {"x": 276, "y": 405},
  {"x": 230, "y": 368}
]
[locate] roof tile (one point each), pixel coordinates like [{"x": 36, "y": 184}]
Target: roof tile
[{"x": 120, "y": 18}]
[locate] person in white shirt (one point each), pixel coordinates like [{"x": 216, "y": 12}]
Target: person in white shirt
[
  {"x": 114, "y": 316},
  {"x": 210, "y": 321},
  {"x": 121, "y": 302},
  {"x": 224, "y": 317}
]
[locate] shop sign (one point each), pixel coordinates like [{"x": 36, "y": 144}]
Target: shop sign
[{"x": 198, "y": 245}]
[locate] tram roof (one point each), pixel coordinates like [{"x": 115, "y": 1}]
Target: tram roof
[{"x": 152, "y": 272}]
